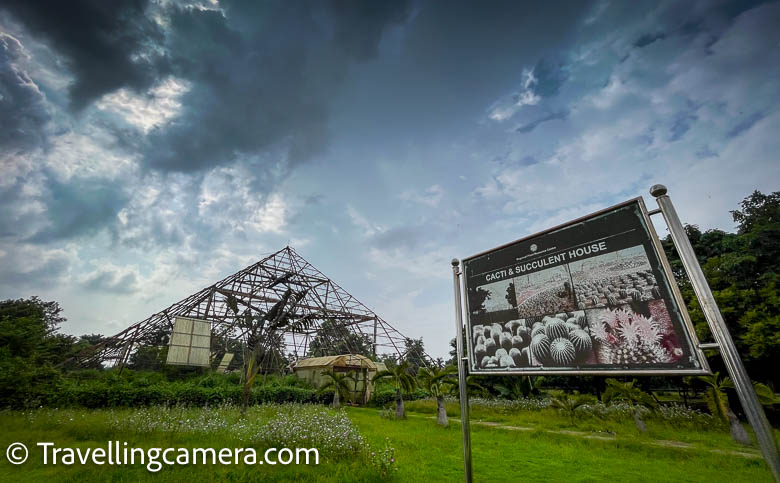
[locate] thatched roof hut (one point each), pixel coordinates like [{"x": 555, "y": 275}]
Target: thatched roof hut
[{"x": 361, "y": 368}]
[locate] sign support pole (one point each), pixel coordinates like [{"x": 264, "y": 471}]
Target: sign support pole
[
  {"x": 465, "y": 422},
  {"x": 728, "y": 350}
]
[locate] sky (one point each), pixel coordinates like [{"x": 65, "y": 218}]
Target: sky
[{"x": 151, "y": 148}]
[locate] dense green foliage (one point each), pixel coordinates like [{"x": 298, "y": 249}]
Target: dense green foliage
[
  {"x": 334, "y": 338},
  {"x": 100, "y": 389},
  {"x": 743, "y": 270}
]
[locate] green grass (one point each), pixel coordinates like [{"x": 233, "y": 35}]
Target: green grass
[
  {"x": 710, "y": 435},
  {"x": 424, "y": 451},
  {"x": 428, "y": 452}
]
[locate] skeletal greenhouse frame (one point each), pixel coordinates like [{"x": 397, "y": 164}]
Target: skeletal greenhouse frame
[{"x": 283, "y": 288}]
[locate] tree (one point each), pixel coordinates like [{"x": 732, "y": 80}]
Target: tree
[
  {"x": 743, "y": 271},
  {"x": 479, "y": 298},
  {"x": 265, "y": 336},
  {"x": 414, "y": 353},
  {"x": 635, "y": 397},
  {"x": 30, "y": 347},
  {"x": 569, "y": 404},
  {"x": 510, "y": 295},
  {"x": 718, "y": 403},
  {"x": 519, "y": 387},
  {"x": 402, "y": 381},
  {"x": 339, "y": 384},
  {"x": 433, "y": 380},
  {"x": 335, "y": 338}
]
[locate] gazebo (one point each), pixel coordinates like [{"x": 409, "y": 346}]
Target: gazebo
[{"x": 361, "y": 367}]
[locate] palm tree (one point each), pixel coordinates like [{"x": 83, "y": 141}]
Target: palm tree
[
  {"x": 569, "y": 404},
  {"x": 517, "y": 387},
  {"x": 718, "y": 403},
  {"x": 433, "y": 381},
  {"x": 266, "y": 330},
  {"x": 339, "y": 384},
  {"x": 402, "y": 380},
  {"x": 635, "y": 397}
]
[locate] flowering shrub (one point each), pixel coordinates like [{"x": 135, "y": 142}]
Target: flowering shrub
[
  {"x": 328, "y": 430},
  {"x": 510, "y": 404},
  {"x": 384, "y": 460}
]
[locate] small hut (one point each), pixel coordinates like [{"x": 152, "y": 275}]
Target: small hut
[{"x": 361, "y": 368}]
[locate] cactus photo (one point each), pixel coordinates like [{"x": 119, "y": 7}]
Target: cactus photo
[
  {"x": 632, "y": 335},
  {"x": 544, "y": 292},
  {"x": 614, "y": 278}
]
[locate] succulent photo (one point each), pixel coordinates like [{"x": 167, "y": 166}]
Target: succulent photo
[{"x": 625, "y": 337}]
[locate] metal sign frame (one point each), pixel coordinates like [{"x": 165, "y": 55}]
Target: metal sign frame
[
  {"x": 687, "y": 332},
  {"x": 724, "y": 342}
]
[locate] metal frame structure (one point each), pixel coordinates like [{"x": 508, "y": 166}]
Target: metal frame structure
[
  {"x": 724, "y": 343},
  {"x": 676, "y": 295},
  {"x": 262, "y": 289}
]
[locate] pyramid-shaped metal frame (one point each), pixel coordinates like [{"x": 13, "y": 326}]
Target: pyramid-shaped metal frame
[{"x": 260, "y": 287}]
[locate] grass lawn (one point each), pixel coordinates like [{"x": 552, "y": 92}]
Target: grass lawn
[
  {"x": 427, "y": 452},
  {"x": 706, "y": 435},
  {"x": 424, "y": 451}
]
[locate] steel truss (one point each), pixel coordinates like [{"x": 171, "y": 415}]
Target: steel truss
[{"x": 263, "y": 289}]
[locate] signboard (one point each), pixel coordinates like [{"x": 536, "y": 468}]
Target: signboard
[
  {"x": 190, "y": 343},
  {"x": 591, "y": 296}
]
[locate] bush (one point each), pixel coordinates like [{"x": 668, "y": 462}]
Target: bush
[
  {"x": 99, "y": 389},
  {"x": 384, "y": 395}
]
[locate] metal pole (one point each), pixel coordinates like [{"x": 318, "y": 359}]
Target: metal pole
[
  {"x": 747, "y": 395},
  {"x": 465, "y": 423}
]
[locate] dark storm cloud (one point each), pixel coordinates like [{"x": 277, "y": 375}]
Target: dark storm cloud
[
  {"x": 648, "y": 39},
  {"x": 22, "y": 105},
  {"x": 106, "y": 44},
  {"x": 550, "y": 76},
  {"x": 262, "y": 76},
  {"x": 111, "y": 281},
  {"x": 79, "y": 207}
]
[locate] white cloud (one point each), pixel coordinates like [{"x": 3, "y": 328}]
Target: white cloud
[
  {"x": 369, "y": 229},
  {"x": 431, "y": 196},
  {"x": 272, "y": 216},
  {"x": 508, "y": 106},
  {"x": 150, "y": 110},
  {"x": 686, "y": 114}
]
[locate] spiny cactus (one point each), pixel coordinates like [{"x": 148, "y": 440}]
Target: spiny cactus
[
  {"x": 629, "y": 338},
  {"x": 490, "y": 346},
  {"x": 506, "y": 361},
  {"x": 480, "y": 352},
  {"x": 555, "y": 328},
  {"x": 540, "y": 347},
  {"x": 562, "y": 352},
  {"x": 517, "y": 356},
  {"x": 612, "y": 301},
  {"x": 506, "y": 340},
  {"x": 581, "y": 341},
  {"x": 656, "y": 293}
]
